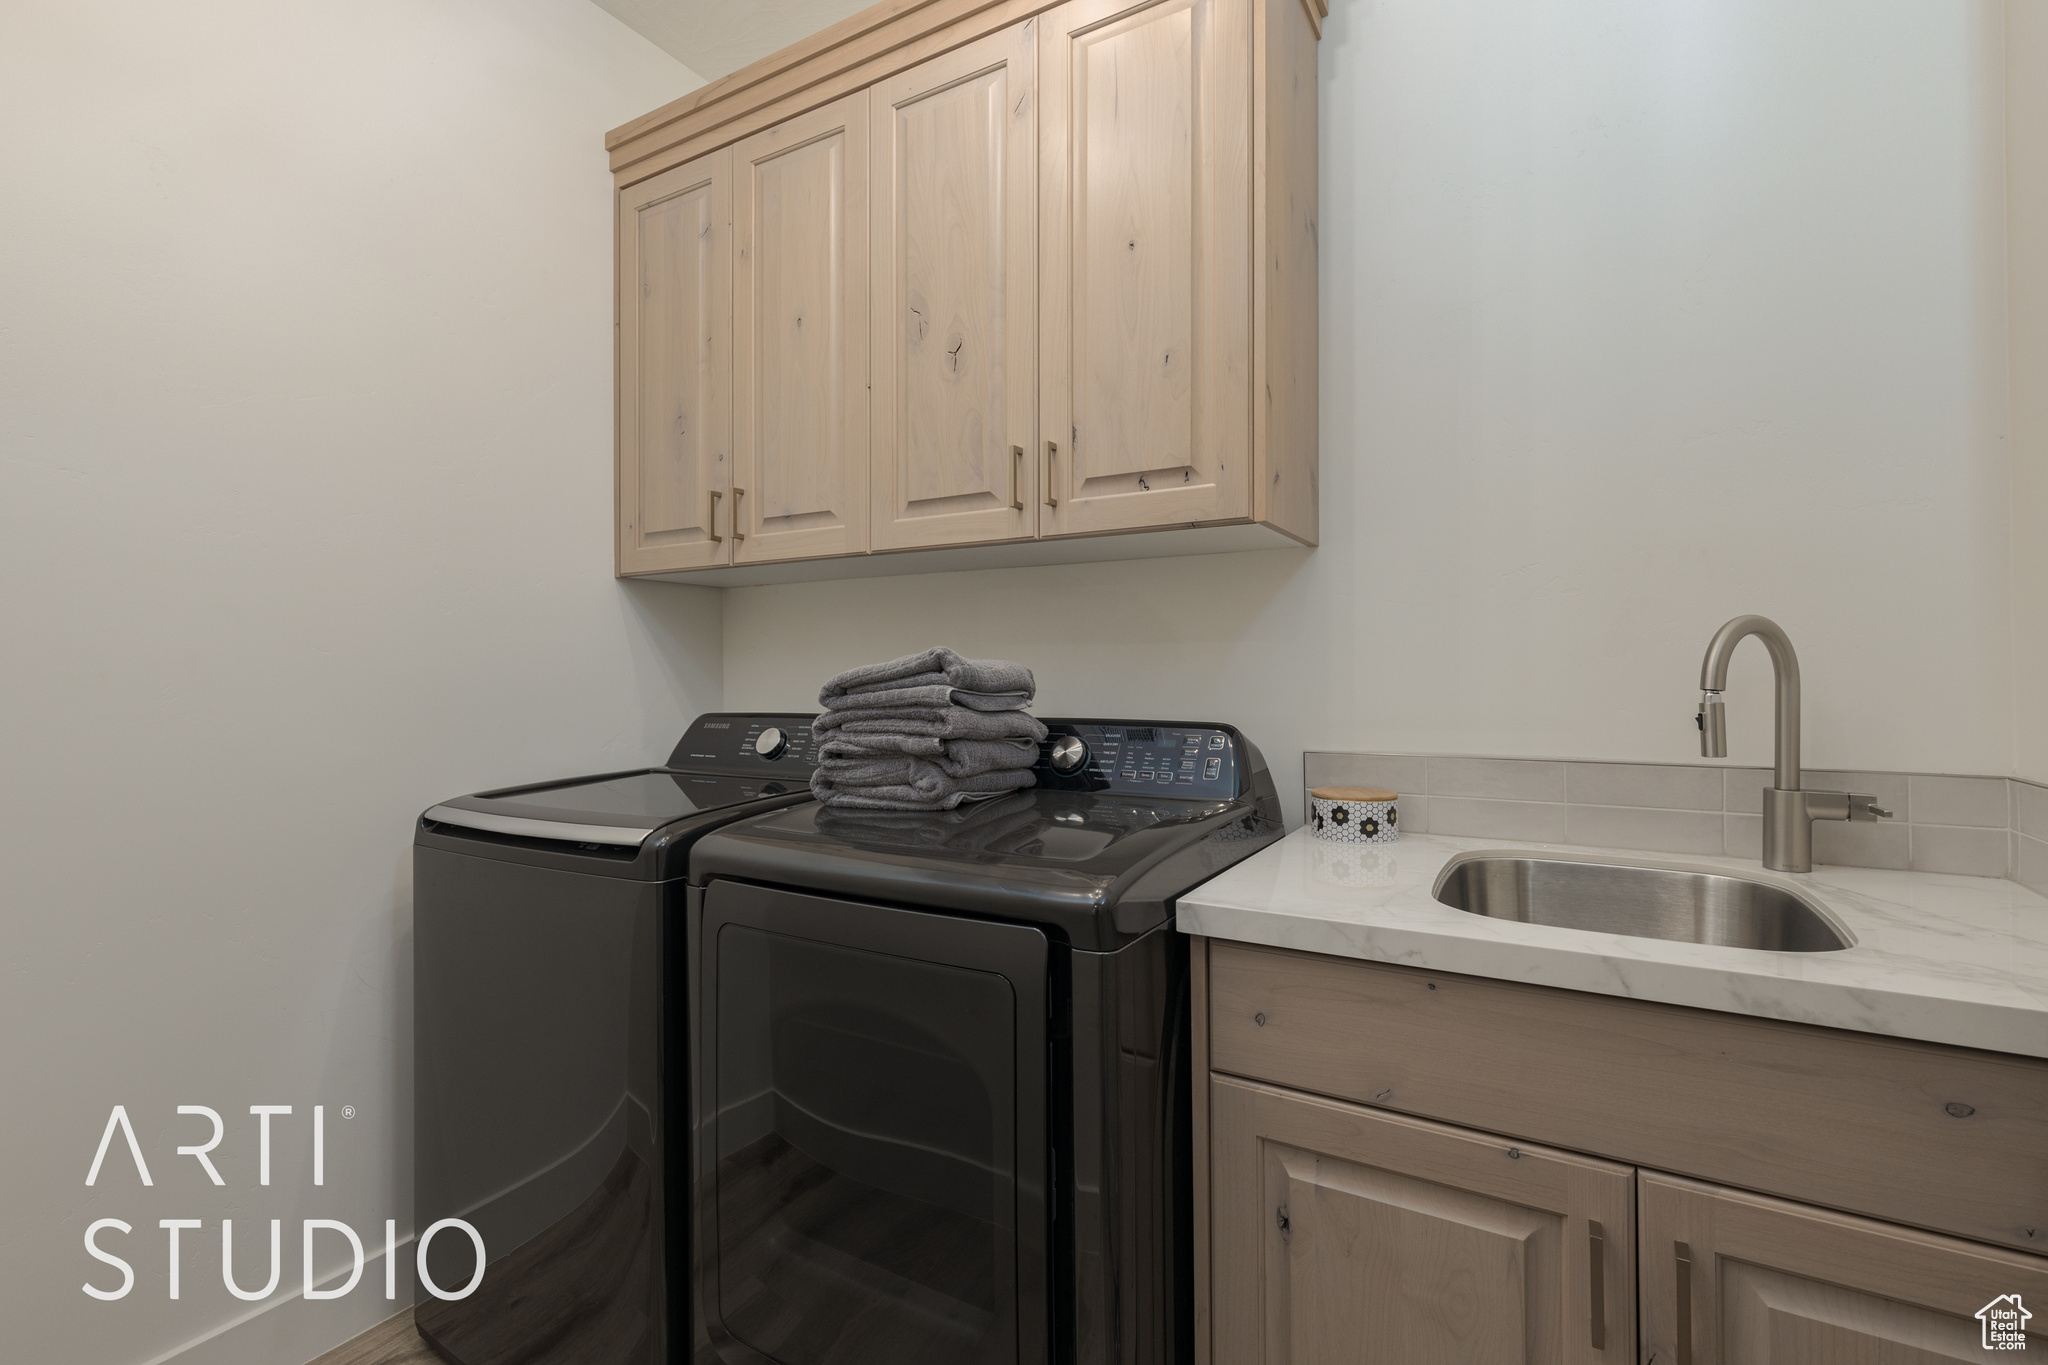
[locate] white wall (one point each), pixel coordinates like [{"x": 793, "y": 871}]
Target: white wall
[
  {"x": 2026, "y": 159},
  {"x": 305, "y": 501},
  {"x": 718, "y": 37},
  {"x": 1634, "y": 317}
]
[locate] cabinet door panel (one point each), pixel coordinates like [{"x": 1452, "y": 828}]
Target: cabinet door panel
[
  {"x": 955, "y": 326},
  {"x": 675, "y": 367},
  {"x": 1348, "y": 1236},
  {"x": 800, "y": 336},
  {"x": 1146, "y": 258},
  {"x": 1732, "y": 1278}
]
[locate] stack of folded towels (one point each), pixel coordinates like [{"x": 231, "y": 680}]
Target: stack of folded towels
[{"x": 925, "y": 732}]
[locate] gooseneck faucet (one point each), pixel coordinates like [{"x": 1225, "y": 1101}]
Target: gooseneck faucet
[{"x": 1789, "y": 811}]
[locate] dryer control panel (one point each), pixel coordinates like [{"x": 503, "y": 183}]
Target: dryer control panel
[{"x": 1189, "y": 761}]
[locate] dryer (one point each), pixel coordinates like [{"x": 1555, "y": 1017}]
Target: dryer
[{"x": 941, "y": 1069}]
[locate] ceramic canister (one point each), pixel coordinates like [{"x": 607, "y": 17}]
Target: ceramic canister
[{"x": 1354, "y": 815}]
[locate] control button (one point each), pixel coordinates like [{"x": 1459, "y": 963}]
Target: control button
[
  {"x": 1166, "y": 777},
  {"x": 771, "y": 743},
  {"x": 1128, "y": 773},
  {"x": 1213, "y": 769},
  {"x": 1068, "y": 753},
  {"x": 1187, "y": 765},
  {"x": 1215, "y": 741}
]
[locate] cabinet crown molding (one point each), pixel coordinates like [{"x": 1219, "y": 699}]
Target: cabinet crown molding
[{"x": 854, "y": 53}]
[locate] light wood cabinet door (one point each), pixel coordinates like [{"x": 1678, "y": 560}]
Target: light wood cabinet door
[
  {"x": 675, "y": 368},
  {"x": 1342, "y": 1235},
  {"x": 1145, "y": 240},
  {"x": 955, "y": 296},
  {"x": 800, "y": 336},
  {"x": 1730, "y": 1278}
]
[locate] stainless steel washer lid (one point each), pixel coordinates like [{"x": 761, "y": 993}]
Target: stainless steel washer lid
[
  {"x": 627, "y": 836},
  {"x": 618, "y": 809}
]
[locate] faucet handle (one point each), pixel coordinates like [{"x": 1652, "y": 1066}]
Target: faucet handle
[{"x": 1865, "y": 808}]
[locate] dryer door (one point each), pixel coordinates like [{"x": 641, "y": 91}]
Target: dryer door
[{"x": 871, "y": 1133}]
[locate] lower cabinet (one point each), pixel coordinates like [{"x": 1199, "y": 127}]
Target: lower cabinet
[
  {"x": 1394, "y": 1232},
  {"x": 1731, "y": 1278},
  {"x": 1342, "y": 1236}
]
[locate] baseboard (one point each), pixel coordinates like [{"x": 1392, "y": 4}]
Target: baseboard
[{"x": 291, "y": 1329}]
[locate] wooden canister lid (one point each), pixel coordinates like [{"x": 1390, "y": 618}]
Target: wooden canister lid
[{"x": 1354, "y": 794}]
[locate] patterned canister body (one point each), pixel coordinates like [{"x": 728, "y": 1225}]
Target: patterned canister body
[{"x": 1355, "y": 815}]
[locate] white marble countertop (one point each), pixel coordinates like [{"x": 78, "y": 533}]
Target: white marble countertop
[{"x": 1944, "y": 959}]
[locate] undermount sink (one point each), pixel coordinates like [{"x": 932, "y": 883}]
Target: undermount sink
[{"x": 1685, "y": 905}]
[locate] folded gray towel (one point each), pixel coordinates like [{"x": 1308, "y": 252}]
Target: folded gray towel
[
  {"x": 931, "y": 790},
  {"x": 935, "y": 722},
  {"x": 934, "y": 694},
  {"x": 895, "y": 770},
  {"x": 931, "y": 668},
  {"x": 842, "y": 753}
]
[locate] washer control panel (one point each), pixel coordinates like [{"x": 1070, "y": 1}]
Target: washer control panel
[
  {"x": 741, "y": 743},
  {"x": 1156, "y": 760}
]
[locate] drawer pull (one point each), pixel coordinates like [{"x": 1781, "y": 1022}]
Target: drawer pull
[
  {"x": 737, "y": 533},
  {"x": 1017, "y": 478},
  {"x": 1684, "y": 1303},
  {"x": 711, "y": 522},
  {"x": 1596, "y": 1268},
  {"x": 1052, "y": 448}
]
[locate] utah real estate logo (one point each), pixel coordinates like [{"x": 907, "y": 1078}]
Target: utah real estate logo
[{"x": 2005, "y": 1323}]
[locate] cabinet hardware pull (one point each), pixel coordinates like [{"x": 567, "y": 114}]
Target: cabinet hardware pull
[
  {"x": 1596, "y": 1252},
  {"x": 711, "y": 524},
  {"x": 1684, "y": 1303},
  {"x": 737, "y": 533},
  {"x": 1017, "y": 479},
  {"x": 1052, "y": 448}
]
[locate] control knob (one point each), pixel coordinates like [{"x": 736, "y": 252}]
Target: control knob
[
  {"x": 771, "y": 743},
  {"x": 1069, "y": 752}
]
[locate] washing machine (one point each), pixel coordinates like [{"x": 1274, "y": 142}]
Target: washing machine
[
  {"x": 941, "y": 1062},
  {"x": 549, "y": 1083}
]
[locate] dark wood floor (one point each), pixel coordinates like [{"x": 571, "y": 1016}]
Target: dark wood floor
[
  {"x": 390, "y": 1342},
  {"x": 576, "y": 1294}
]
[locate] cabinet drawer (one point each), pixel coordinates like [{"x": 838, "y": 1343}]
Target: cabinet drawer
[{"x": 1937, "y": 1137}]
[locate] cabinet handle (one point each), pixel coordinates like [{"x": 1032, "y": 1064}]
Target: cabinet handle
[
  {"x": 1596, "y": 1267},
  {"x": 1017, "y": 479},
  {"x": 1052, "y": 448},
  {"x": 1684, "y": 1303},
  {"x": 711, "y": 523},
  {"x": 737, "y": 533}
]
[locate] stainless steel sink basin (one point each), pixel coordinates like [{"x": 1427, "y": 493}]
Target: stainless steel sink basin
[{"x": 1686, "y": 905}]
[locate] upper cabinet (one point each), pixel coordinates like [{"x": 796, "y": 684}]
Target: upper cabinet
[
  {"x": 675, "y": 367},
  {"x": 1145, "y": 375},
  {"x": 985, "y": 283},
  {"x": 800, "y": 337},
  {"x": 954, "y": 180}
]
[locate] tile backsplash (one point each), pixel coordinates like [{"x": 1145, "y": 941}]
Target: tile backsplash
[{"x": 1976, "y": 826}]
